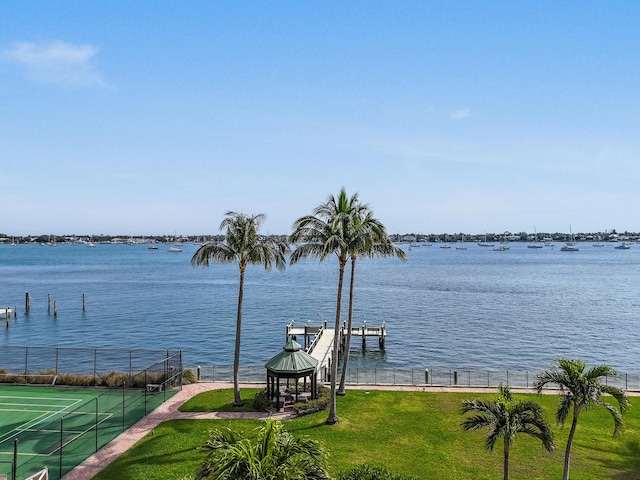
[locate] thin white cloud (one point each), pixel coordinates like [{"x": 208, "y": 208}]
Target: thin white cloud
[
  {"x": 56, "y": 62},
  {"x": 460, "y": 114}
]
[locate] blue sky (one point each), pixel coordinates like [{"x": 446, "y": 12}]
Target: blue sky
[{"x": 158, "y": 117}]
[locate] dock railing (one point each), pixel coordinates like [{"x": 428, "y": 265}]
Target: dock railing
[{"x": 419, "y": 377}]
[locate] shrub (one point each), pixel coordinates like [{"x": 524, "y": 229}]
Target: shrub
[
  {"x": 315, "y": 405},
  {"x": 188, "y": 377},
  {"x": 262, "y": 402},
  {"x": 370, "y": 472}
]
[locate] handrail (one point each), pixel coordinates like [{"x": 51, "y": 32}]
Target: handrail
[{"x": 315, "y": 340}]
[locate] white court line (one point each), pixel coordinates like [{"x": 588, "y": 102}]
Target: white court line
[{"x": 38, "y": 420}]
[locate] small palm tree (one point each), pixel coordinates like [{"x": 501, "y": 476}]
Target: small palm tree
[
  {"x": 245, "y": 246},
  {"x": 368, "y": 238},
  {"x": 581, "y": 390},
  {"x": 275, "y": 454},
  {"x": 325, "y": 233},
  {"x": 505, "y": 418}
]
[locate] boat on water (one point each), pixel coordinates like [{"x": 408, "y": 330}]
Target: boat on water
[
  {"x": 484, "y": 243},
  {"x": 501, "y": 248},
  {"x": 152, "y": 246},
  {"x": 174, "y": 248},
  {"x": 535, "y": 243},
  {"x": 622, "y": 246},
  {"x": 570, "y": 246}
]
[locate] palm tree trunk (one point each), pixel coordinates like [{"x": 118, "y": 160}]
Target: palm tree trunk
[
  {"x": 506, "y": 460},
  {"x": 237, "y": 401},
  {"x": 347, "y": 346},
  {"x": 332, "y": 419},
  {"x": 567, "y": 451}
]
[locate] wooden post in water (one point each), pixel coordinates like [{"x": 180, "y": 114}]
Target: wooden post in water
[
  {"x": 364, "y": 334},
  {"x": 83, "y": 307},
  {"x": 27, "y": 302},
  {"x": 55, "y": 309},
  {"x": 7, "y": 314},
  {"x": 48, "y": 303}
]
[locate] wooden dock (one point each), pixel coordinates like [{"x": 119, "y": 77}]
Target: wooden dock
[
  {"x": 365, "y": 331},
  {"x": 317, "y": 341}
]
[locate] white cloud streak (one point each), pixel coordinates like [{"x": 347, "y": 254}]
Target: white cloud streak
[
  {"x": 460, "y": 114},
  {"x": 56, "y": 62}
]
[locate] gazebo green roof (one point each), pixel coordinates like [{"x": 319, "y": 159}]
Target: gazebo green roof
[{"x": 292, "y": 360}]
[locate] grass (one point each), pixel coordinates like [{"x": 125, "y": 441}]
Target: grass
[{"x": 412, "y": 433}]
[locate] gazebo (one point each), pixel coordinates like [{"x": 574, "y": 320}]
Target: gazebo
[{"x": 291, "y": 363}]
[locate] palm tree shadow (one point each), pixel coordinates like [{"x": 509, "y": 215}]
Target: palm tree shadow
[{"x": 629, "y": 466}]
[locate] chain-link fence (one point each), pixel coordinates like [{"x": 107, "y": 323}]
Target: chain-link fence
[{"x": 71, "y": 435}]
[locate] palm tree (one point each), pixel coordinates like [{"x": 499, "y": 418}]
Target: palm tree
[
  {"x": 245, "y": 246},
  {"x": 328, "y": 231},
  {"x": 275, "y": 454},
  {"x": 505, "y": 418},
  {"x": 368, "y": 238},
  {"x": 581, "y": 390}
]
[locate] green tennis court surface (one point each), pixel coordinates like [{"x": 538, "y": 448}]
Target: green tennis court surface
[{"x": 58, "y": 427}]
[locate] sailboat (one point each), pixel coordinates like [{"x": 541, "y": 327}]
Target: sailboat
[
  {"x": 569, "y": 246},
  {"x": 485, "y": 243},
  {"x": 598, "y": 242},
  {"x": 446, "y": 245},
  {"x": 535, "y": 243}
]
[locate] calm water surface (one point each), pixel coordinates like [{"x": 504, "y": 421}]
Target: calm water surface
[{"x": 443, "y": 308}]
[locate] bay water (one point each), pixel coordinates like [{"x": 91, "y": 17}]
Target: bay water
[{"x": 443, "y": 308}]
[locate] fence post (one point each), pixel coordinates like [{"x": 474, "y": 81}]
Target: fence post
[
  {"x": 14, "y": 472},
  {"x": 426, "y": 376},
  {"x": 124, "y": 386},
  {"x": 97, "y": 422},
  {"x": 61, "y": 445},
  {"x": 455, "y": 377}
]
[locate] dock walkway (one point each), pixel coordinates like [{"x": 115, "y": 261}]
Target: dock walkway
[{"x": 318, "y": 341}]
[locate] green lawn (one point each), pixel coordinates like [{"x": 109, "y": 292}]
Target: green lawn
[{"x": 412, "y": 433}]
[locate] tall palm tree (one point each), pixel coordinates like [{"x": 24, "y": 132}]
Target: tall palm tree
[
  {"x": 580, "y": 390},
  {"x": 325, "y": 233},
  {"x": 505, "y": 418},
  {"x": 368, "y": 238},
  {"x": 244, "y": 245},
  {"x": 275, "y": 454}
]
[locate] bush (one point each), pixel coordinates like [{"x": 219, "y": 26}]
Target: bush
[
  {"x": 370, "y": 472},
  {"x": 315, "y": 405},
  {"x": 262, "y": 402},
  {"x": 189, "y": 377}
]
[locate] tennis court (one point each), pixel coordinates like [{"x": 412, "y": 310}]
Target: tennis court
[{"x": 58, "y": 427}]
